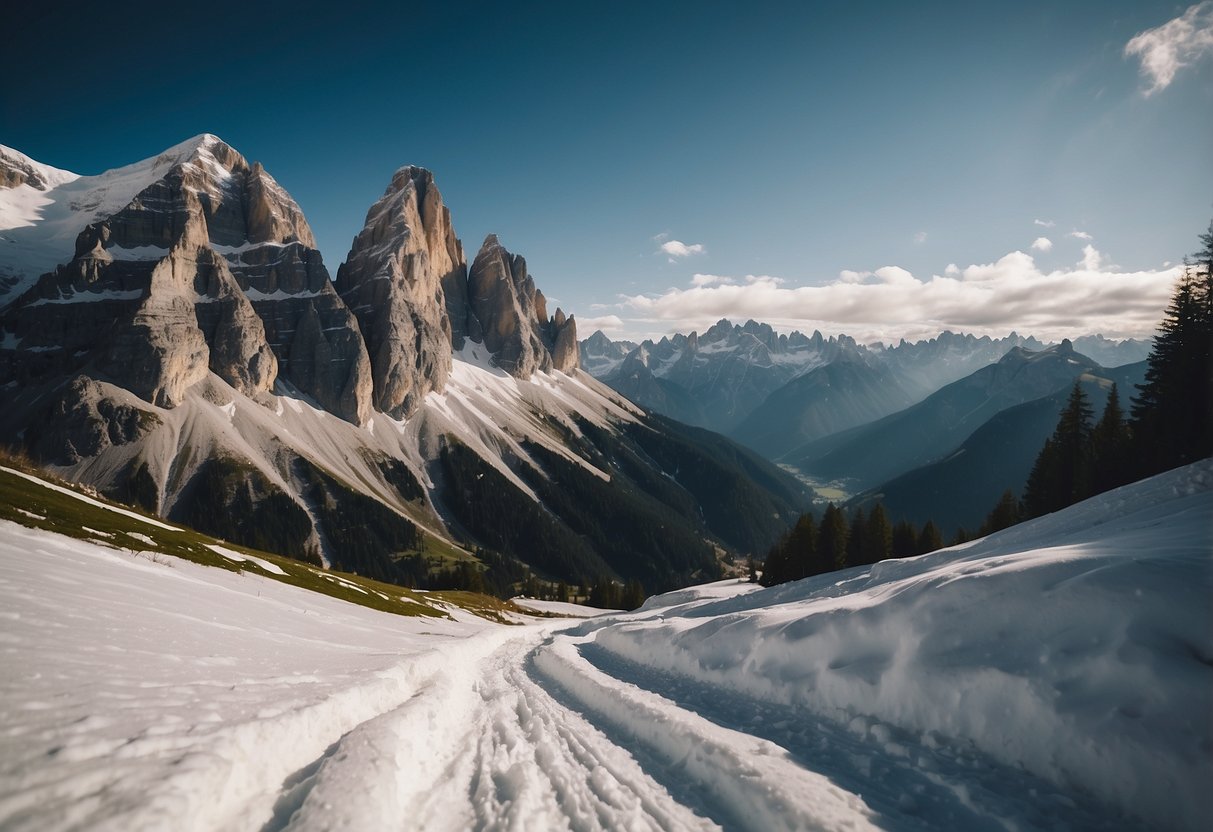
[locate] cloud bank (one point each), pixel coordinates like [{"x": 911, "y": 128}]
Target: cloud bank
[
  {"x": 1166, "y": 49},
  {"x": 1011, "y": 293}
]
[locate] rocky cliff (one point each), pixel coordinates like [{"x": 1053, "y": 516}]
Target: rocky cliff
[
  {"x": 513, "y": 315},
  {"x": 210, "y": 267},
  {"x": 396, "y": 280},
  {"x": 186, "y": 351}
]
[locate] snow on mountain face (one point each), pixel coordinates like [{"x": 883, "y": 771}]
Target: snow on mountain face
[
  {"x": 160, "y": 363},
  {"x": 39, "y": 222},
  {"x": 600, "y": 355},
  {"x": 210, "y": 266}
]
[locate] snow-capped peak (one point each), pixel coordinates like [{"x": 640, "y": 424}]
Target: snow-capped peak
[
  {"x": 40, "y": 220},
  {"x": 17, "y": 169}
]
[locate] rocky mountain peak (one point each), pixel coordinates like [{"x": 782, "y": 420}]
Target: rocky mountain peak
[
  {"x": 18, "y": 169},
  {"x": 404, "y": 278},
  {"x": 505, "y": 301},
  {"x": 210, "y": 266},
  {"x": 196, "y": 262}
]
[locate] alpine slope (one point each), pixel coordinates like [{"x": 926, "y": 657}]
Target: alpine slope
[{"x": 1057, "y": 675}]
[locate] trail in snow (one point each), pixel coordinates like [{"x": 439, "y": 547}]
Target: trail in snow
[
  {"x": 551, "y": 732},
  {"x": 1057, "y": 675}
]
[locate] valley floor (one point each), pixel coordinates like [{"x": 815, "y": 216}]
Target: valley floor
[{"x": 1058, "y": 675}]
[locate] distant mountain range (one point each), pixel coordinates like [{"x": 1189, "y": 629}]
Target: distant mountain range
[
  {"x": 960, "y": 489},
  {"x": 935, "y": 430},
  {"x": 776, "y": 392},
  {"x": 170, "y": 334},
  {"x": 875, "y": 452}
]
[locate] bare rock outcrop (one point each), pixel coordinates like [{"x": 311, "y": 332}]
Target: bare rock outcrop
[
  {"x": 562, "y": 339},
  {"x": 512, "y": 314},
  {"x": 210, "y": 267},
  {"x": 82, "y": 420},
  {"x": 403, "y": 278}
]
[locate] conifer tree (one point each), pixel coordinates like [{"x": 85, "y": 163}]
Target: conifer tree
[
  {"x": 832, "y": 538},
  {"x": 776, "y": 568},
  {"x": 1061, "y": 475},
  {"x": 1172, "y": 421},
  {"x": 1006, "y": 513},
  {"x": 1110, "y": 447},
  {"x": 878, "y": 536},
  {"x": 1040, "y": 492},
  {"x": 802, "y": 549},
  {"x": 857, "y": 544},
  {"x": 905, "y": 539},
  {"x": 929, "y": 539},
  {"x": 633, "y": 595}
]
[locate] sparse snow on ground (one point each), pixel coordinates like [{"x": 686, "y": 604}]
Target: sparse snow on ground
[{"x": 1057, "y": 675}]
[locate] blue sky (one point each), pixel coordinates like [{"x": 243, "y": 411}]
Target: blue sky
[{"x": 799, "y": 146}]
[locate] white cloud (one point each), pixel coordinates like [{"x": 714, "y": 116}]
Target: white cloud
[
  {"x": 607, "y": 323},
  {"x": 764, "y": 278},
  {"x": 709, "y": 279},
  {"x": 1044, "y": 223},
  {"x": 1081, "y": 235},
  {"x": 677, "y": 248},
  {"x": 1091, "y": 259},
  {"x": 920, "y": 237},
  {"x": 890, "y": 275},
  {"x": 1042, "y": 244},
  {"x": 890, "y": 302},
  {"x": 1166, "y": 49}
]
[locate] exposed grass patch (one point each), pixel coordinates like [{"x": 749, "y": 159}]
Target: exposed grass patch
[{"x": 36, "y": 504}]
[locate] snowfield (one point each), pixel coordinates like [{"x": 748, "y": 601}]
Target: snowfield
[{"x": 1056, "y": 675}]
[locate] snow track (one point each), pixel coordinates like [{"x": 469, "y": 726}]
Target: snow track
[
  {"x": 485, "y": 746},
  {"x": 549, "y": 730},
  {"x": 950, "y": 691}
]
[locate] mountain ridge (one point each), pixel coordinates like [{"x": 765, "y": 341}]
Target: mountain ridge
[{"x": 192, "y": 354}]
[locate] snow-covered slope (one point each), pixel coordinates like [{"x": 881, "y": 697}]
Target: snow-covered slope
[
  {"x": 1058, "y": 675},
  {"x": 482, "y": 407},
  {"x": 145, "y": 693},
  {"x": 39, "y": 221},
  {"x": 1077, "y": 647}
]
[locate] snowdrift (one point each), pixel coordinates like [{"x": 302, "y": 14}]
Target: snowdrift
[{"x": 1078, "y": 646}]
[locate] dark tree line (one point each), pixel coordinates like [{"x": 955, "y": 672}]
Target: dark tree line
[
  {"x": 837, "y": 542},
  {"x": 1170, "y": 422}
]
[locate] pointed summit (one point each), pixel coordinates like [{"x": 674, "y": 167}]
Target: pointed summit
[
  {"x": 404, "y": 269},
  {"x": 512, "y": 314},
  {"x": 206, "y": 265}
]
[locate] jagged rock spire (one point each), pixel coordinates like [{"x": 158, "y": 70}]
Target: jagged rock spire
[
  {"x": 395, "y": 282},
  {"x": 513, "y": 315}
]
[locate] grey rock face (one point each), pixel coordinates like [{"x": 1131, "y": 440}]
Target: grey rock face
[
  {"x": 210, "y": 267},
  {"x": 15, "y": 171},
  {"x": 505, "y": 301},
  {"x": 566, "y": 354},
  {"x": 513, "y": 315},
  {"x": 396, "y": 281},
  {"x": 81, "y": 421}
]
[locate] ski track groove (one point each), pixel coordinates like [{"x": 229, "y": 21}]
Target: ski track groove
[{"x": 549, "y": 730}]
